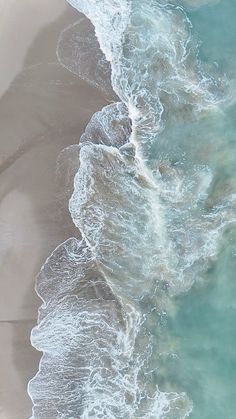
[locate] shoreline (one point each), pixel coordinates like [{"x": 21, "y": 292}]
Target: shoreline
[{"x": 44, "y": 109}]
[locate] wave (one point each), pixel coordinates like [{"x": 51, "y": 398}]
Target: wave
[
  {"x": 157, "y": 74},
  {"x": 80, "y": 315},
  {"x": 78, "y": 51},
  {"x": 193, "y": 4},
  {"x": 146, "y": 207}
]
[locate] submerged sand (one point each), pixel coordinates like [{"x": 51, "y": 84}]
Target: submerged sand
[{"x": 43, "y": 108}]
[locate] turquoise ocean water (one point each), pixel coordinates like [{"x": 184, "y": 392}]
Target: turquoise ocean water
[
  {"x": 203, "y": 329},
  {"x": 138, "y": 314}
]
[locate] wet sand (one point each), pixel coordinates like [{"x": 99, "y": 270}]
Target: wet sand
[{"x": 43, "y": 108}]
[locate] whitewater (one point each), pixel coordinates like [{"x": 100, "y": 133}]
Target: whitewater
[{"x": 150, "y": 210}]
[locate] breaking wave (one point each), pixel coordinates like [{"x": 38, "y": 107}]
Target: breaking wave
[{"x": 149, "y": 214}]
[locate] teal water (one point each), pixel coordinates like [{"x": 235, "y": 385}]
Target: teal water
[
  {"x": 138, "y": 314},
  {"x": 204, "y": 337},
  {"x": 214, "y": 25},
  {"x": 203, "y": 330}
]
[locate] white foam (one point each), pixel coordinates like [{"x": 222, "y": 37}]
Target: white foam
[
  {"x": 78, "y": 51},
  {"x": 147, "y": 234}
]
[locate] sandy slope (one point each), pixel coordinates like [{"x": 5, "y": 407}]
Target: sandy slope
[
  {"x": 20, "y": 22},
  {"x": 42, "y": 110}
]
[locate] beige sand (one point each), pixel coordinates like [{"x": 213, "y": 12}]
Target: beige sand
[
  {"x": 20, "y": 22},
  {"x": 43, "y": 108}
]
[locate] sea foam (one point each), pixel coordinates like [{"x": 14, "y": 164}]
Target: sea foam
[{"x": 142, "y": 209}]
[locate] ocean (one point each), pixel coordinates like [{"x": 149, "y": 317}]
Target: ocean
[{"x": 138, "y": 310}]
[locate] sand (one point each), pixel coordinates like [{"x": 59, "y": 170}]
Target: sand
[{"x": 43, "y": 108}]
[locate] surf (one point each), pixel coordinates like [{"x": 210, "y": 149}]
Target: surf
[{"x": 149, "y": 221}]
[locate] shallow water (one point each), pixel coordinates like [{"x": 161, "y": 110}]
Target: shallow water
[
  {"x": 203, "y": 332},
  {"x": 138, "y": 313}
]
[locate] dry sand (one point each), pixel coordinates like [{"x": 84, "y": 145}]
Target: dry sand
[{"x": 43, "y": 108}]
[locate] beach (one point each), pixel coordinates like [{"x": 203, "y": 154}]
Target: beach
[
  {"x": 43, "y": 109},
  {"x": 117, "y": 209}
]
